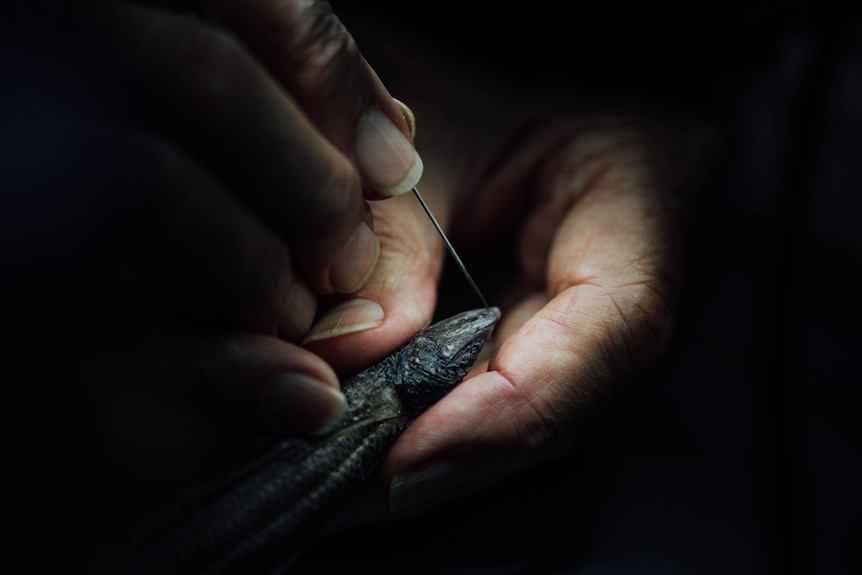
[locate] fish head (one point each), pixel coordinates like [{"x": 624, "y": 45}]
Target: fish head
[{"x": 438, "y": 357}]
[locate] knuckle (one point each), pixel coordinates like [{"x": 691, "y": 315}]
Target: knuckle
[
  {"x": 329, "y": 213},
  {"x": 320, "y": 46},
  {"x": 215, "y": 65},
  {"x": 337, "y": 197}
]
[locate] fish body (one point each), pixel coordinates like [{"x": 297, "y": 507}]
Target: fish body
[{"x": 265, "y": 515}]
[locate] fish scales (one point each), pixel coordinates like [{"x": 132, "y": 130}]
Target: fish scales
[{"x": 266, "y": 514}]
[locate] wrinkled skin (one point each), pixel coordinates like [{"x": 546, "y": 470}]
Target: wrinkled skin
[
  {"x": 172, "y": 279},
  {"x": 595, "y": 208}
]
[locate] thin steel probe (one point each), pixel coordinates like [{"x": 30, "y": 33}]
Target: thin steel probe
[{"x": 450, "y": 248}]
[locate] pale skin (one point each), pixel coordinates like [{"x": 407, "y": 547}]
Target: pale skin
[
  {"x": 598, "y": 204},
  {"x": 227, "y": 165}
]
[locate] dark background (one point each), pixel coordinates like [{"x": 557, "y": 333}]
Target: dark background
[{"x": 739, "y": 454}]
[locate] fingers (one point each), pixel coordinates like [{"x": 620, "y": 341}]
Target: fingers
[
  {"x": 266, "y": 384},
  {"x": 597, "y": 248},
  {"x": 223, "y": 263},
  {"x": 207, "y": 279},
  {"x": 163, "y": 397},
  {"x": 242, "y": 124},
  {"x": 398, "y": 299},
  {"x": 311, "y": 54},
  {"x": 166, "y": 229},
  {"x": 257, "y": 203}
]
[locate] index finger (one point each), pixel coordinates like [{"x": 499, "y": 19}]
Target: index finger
[
  {"x": 311, "y": 54},
  {"x": 251, "y": 133}
]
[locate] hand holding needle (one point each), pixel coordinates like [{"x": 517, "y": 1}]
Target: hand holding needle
[{"x": 411, "y": 121}]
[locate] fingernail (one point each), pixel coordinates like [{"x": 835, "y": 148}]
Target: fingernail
[
  {"x": 387, "y": 159},
  {"x": 408, "y": 115},
  {"x": 349, "y": 317},
  {"x": 417, "y": 491},
  {"x": 355, "y": 263},
  {"x": 293, "y": 402}
]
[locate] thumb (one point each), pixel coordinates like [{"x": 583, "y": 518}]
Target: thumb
[{"x": 398, "y": 299}]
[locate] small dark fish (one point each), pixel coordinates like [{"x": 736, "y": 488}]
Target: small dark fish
[{"x": 268, "y": 513}]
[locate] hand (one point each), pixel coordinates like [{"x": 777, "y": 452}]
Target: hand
[
  {"x": 593, "y": 208},
  {"x": 591, "y": 307},
  {"x": 217, "y": 166}
]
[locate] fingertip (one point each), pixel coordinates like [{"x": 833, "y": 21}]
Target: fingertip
[
  {"x": 293, "y": 402},
  {"x": 409, "y": 117},
  {"x": 352, "y": 316},
  {"x": 387, "y": 159},
  {"x": 265, "y": 384},
  {"x": 361, "y": 331},
  {"x": 410, "y": 180}
]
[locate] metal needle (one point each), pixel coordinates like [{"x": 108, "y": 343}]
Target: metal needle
[{"x": 450, "y": 248}]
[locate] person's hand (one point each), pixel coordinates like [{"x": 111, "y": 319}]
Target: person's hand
[
  {"x": 595, "y": 207},
  {"x": 216, "y": 164},
  {"x": 590, "y": 206}
]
